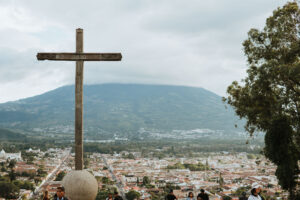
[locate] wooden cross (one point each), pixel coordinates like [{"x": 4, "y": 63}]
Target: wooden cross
[{"x": 79, "y": 57}]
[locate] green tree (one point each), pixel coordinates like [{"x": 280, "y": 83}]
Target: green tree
[
  {"x": 37, "y": 180},
  {"x": 12, "y": 164},
  {"x": 60, "y": 176},
  {"x": 105, "y": 180},
  {"x": 103, "y": 193},
  {"x": 12, "y": 175},
  {"x": 86, "y": 163},
  {"x": 24, "y": 197},
  {"x": 3, "y": 166},
  {"x": 24, "y": 185},
  {"x": 146, "y": 180},
  {"x": 240, "y": 191},
  {"x": 41, "y": 171},
  {"x": 269, "y": 95},
  {"x": 8, "y": 190},
  {"x": 280, "y": 137},
  {"x": 30, "y": 160},
  {"x": 226, "y": 198},
  {"x": 221, "y": 180},
  {"x": 130, "y": 156},
  {"x": 31, "y": 176},
  {"x": 176, "y": 166},
  {"x": 132, "y": 194},
  {"x": 155, "y": 196}
]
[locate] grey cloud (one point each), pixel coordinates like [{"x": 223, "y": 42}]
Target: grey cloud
[
  {"x": 17, "y": 66},
  {"x": 199, "y": 16},
  {"x": 195, "y": 43}
]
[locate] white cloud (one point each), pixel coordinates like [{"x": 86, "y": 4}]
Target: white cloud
[{"x": 194, "y": 43}]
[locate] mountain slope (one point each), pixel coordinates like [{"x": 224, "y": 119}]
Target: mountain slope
[
  {"x": 122, "y": 107},
  {"x": 6, "y": 134}
]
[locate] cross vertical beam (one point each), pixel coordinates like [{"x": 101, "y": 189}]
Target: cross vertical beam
[
  {"x": 79, "y": 103},
  {"x": 79, "y": 56}
]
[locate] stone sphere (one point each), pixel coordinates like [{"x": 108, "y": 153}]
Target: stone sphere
[{"x": 80, "y": 184}]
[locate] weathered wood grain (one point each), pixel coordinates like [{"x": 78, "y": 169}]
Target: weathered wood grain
[
  {"x": 79, "y": 104},
  {"x": 80, "y": 56}
]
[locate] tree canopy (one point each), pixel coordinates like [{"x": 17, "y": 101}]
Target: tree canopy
[
  {"x": 146, "y": 180},
  {"x": 132, "y": 194},
  {"x": 8, "y": 190},
  {"x": 60, "y": 176},
  {"x": 269, "y": 97}
]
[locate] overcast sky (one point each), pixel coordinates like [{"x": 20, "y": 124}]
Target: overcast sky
[{"x": 177, "y": 42}]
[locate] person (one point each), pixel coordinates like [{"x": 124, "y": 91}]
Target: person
[
  {"x": 46, "y": 195},
  {"x": 110, "y": 197},
  {"x": 199, "y": 198},
  {"x": 190, "y": 196},
  {"x": 60, "y": 194},
  {"x": 203, "y": 195},
  {"x": 117, "y": 196},
  {"x": 171, "y": 196},
  {"x": 254, "y": 195},
  {"x": 258, "y": 190},
  {"x": 243, "y": 197}
]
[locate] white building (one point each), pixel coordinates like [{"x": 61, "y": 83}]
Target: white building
[
  {"x": 10, "y": 156},
  {"x": 33, "y": 150}
]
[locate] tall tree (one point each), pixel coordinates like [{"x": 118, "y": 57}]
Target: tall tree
[
  {"x": 269, "y": 97},
  {"x": 12, "y": 175},
  {"x": 146, "y": 180},
  {"x": 12, "y": 164}
]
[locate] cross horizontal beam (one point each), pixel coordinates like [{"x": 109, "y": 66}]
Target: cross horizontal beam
[{"x": 80, "y": 56}]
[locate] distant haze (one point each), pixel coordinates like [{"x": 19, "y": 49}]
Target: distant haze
[{"x": 175, "y": 42}]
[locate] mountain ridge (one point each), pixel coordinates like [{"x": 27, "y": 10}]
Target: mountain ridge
[{"x": 122, "y": 108}]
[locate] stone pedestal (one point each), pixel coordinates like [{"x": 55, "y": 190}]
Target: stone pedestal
[{"x": 79, "y": 185}]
